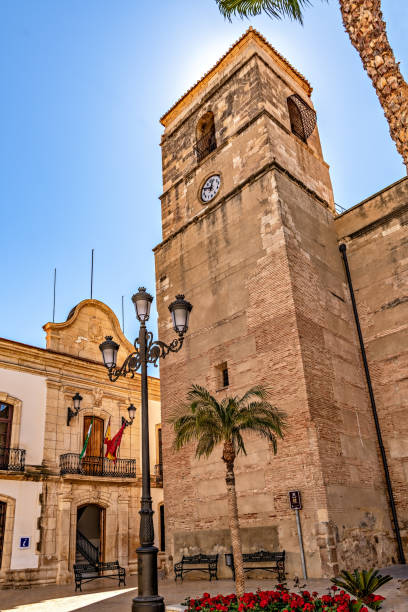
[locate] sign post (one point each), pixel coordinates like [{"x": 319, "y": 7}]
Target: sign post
[{"x": 296, "y": 505}]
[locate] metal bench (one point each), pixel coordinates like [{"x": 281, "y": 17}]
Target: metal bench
[
  {"x": 85, "y": 572},
  {"x": 260, "y": 560},
  {"x": 201, "y": 563}
]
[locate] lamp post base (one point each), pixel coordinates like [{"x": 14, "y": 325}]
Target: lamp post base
[
  {"x": 148, "y": 599},
  {"x": 148, "y": 604}
]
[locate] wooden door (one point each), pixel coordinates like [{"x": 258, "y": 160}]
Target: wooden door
[
  {"x": 6, "y": 419},
  {"x": 3, "y": 507},
  {"x": 92, "y": 463}
]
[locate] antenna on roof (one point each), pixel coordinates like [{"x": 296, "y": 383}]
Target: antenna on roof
[
  {"x": 123, "y": 317},
  {"x": 53, "y": 305},
  {"x": 92, "y": 266}
]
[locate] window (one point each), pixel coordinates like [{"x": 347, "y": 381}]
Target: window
[
  {"x": 3, "y": 507},
  {"x": 225, "y": 379},
  {"x": 222, "y": 375},
  {"x": 302, "y": 117},
  {"x": 205, "y": 136},
  {"x": 6, "y": 418}
]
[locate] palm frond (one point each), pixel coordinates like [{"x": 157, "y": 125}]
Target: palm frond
[
  {"x": 361, "y": 583},
  {"x": 273, "y": 8},
  {"x": 209, "y": 422},
  {"x": 205, "y": 445},
  {"x": 259, "y": 391}
]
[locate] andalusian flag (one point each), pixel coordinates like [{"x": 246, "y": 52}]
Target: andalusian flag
[
  {"x": 107, "y": 440},
  {"x": 88, "y": 435}
]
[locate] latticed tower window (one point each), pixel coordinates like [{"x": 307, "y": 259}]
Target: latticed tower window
[{"x": 302, "y": 117}]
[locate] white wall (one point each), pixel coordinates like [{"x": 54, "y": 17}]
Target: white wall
[
  {"x": 27, "y": 512},
  {"x": 32, "y": 391}
]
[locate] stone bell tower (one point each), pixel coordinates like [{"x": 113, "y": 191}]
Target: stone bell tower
[{"x": 248, "y": 236}]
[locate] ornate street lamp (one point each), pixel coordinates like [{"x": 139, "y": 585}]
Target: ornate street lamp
[
  {"x": 146, "y": 351},
  {"x": 132, "y": 414},
  {"x": 76, "y": 401}
]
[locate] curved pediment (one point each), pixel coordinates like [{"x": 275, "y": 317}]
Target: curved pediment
[{"x": 85, "y": 328}]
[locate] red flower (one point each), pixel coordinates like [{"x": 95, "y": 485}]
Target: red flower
[
  {"x": 363, "y": 609},
  {"x": 378, "y": 598},
  {"x": 307, "y": 607},
  {"x": 315, "y": 593}
]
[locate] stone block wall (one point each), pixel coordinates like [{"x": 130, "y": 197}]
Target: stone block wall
[{"x": 376, "y": 236}]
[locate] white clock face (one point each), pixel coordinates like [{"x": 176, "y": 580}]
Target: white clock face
[{"x": 210, "y": 188}]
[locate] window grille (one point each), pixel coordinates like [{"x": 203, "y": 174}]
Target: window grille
[{"x": 302, "y": 117}]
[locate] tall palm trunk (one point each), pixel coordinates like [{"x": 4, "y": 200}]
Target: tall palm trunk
[
  {"x": 366, "y": 28},
  {"x": 229, "y": 457}
]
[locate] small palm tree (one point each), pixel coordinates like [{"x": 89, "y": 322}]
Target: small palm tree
[
  {"x": 364, "y": 23},
  {"x": 210, "y": 423}
]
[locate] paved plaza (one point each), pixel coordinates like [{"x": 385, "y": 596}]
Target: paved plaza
[{"x": 104, "y": 595}]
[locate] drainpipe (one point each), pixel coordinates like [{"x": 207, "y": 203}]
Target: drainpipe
[{"x": 401, "y": 556}]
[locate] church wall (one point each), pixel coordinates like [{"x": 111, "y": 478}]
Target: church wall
[
  {"x": 239, "y": 281},
  {"x": 261, "y": 265},
  {"x": 376, "y": 236},
  {"x": 357, "y": 526}
]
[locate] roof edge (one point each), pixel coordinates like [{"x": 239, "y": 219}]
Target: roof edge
[{"x": 250, "y": 34}]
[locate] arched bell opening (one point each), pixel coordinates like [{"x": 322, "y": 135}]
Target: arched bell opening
[{"x": 205, "y": 136}]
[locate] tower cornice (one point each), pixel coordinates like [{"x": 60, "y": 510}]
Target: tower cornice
[{"x": 251, "y": 35}]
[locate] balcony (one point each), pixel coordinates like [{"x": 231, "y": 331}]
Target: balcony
[
  {"x": 158, "y": 473},
  {"x": 70, "y": 463},
  {"x": 205, "y": 145},
  {"x": 12, "y": 459}
]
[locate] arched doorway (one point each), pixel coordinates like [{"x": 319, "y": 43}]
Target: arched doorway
[
  {"x": 90, "y": 540},
  {"x": 162, "y": 529}
]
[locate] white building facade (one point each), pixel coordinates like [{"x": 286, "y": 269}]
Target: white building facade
[{"x": 56, "y": 508}]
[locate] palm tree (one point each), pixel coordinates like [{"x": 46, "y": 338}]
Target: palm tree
[
  {"x": 366, "y": 28},
  {"x": 210, "y": 423}
]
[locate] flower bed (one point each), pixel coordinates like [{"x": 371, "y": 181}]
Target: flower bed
[{"x": 282, "y": 600}]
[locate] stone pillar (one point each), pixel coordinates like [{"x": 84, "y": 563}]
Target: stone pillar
[
  {"x": 63, "y": 535},
  {"x": 123, "y": 530}
]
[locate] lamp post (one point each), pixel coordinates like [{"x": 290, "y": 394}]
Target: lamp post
[
  {"x": 76, "y": 401},
  {"x": 146, "y": 351}
]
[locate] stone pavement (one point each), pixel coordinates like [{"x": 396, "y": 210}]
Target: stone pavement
[{"x": 104, "y": 595}]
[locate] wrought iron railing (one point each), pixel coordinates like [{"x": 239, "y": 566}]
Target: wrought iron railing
[
  {"x": 205, "y": 145},
  {"x": 70, "y": 463},
  {"x": 158, "y": 472},
  {"x": 339, "y": 209},
  {"x": 89, "y": 551},
  {"x": 12, "y": 459}
]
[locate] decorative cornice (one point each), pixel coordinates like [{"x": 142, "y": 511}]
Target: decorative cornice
[
  {"x": 70, "y": 369},
  {"x": 249, "y": 36},
  {"x": 273, "y": 165}
]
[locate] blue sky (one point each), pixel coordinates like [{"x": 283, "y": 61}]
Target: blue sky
[{"x": 84, "y": 83}]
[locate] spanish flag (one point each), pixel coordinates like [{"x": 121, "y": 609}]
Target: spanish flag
[
  {"x": 107, "y": 440},
  {"x": 112, "y": 446}
]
